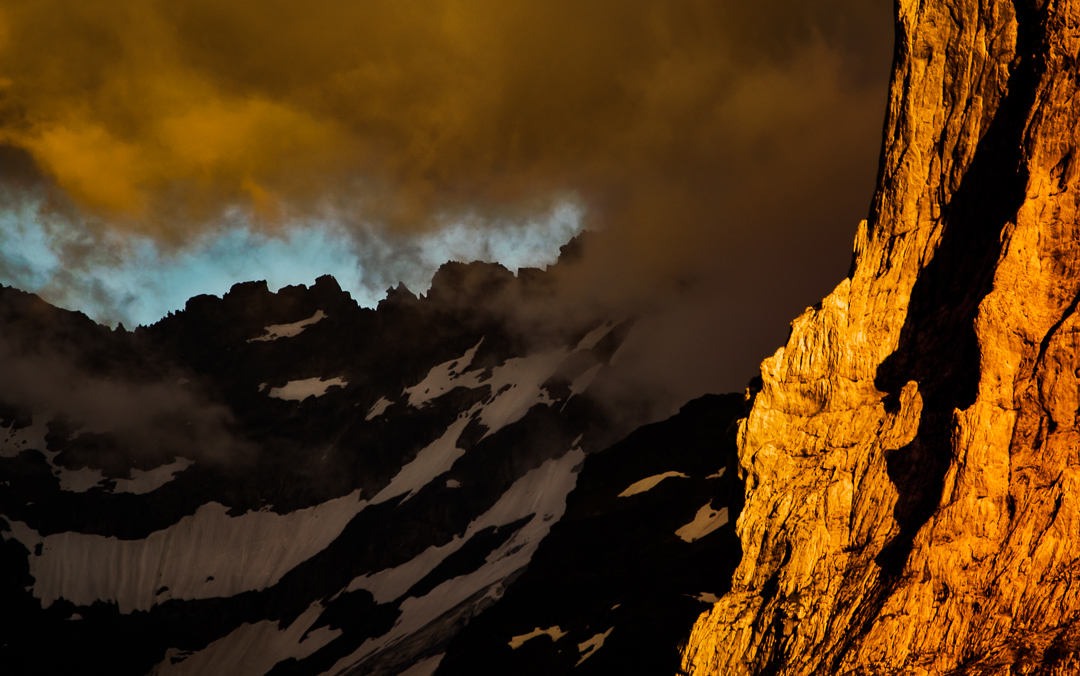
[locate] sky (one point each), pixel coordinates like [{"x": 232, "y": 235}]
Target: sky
[{"x": 719, "y": 153}]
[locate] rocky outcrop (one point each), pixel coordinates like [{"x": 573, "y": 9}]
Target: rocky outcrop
[{"x": 912, "y": 460}]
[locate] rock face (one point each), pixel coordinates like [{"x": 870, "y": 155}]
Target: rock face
[{"x": 912, "y": 461}]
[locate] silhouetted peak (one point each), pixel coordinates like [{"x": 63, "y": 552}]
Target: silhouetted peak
[
  {"x": 574, "y": 250},
  {"x": 457, "y": 283},
  {"x": 398, "y": 295},
  {"x": 327, "y": 284}
]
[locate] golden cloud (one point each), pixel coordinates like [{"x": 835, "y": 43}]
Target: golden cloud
[{"x": 442, "y": 103}]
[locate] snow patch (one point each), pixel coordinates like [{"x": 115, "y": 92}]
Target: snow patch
[
  {"x": 589, "y": 648},
  {"x": 150, "y": 480},
  {"x": 705, "y": 597},
  {"x": 78, "y": 480},
  {"x": 718, "y": 474},
  {"x": 438, "y": 457},
  {"x": 443, "y": 378},
  {"x": 14, "y": 441},
  {"x": 515, "y": 386},
  {"x": 243, "y": 553},
  {"x": 299, "y": 390},
  {"x": 595, "y": 336},
  {"x": 379, "y": 408},
  {"x": 554, "y": 632},
  {"x": 582, "y": 382},
  {"x": 424, "y": 667},
  {"x": 453, "y": 483},
  {"x": 251, "y": 649},
  {"x": 541, "y": 492},
  {"x": 648, "y": 483},
  {"x": 73, "y": 480},
  {"x": 288, "y": 330},
  {"x": 706, "y": 521}
]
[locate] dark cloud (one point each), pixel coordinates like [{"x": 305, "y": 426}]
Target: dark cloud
[
  {"x": 409, "y": 108},
  {"x": 723, "y": 151}
]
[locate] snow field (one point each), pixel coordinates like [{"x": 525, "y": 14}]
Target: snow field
[{"x": 207, "y": 554}]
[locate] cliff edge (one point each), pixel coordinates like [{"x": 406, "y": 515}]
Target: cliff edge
[{"x": 912, "y": 461}]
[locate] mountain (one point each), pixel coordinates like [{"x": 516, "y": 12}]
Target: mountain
[
  {"x": 286, "y": 483},
  {"x": 911, "y": 459}
]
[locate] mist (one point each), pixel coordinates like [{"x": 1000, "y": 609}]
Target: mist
[{"x": 116, "y": 424}]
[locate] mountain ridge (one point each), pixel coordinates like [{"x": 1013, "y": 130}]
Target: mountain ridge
[{"x": 289, "y": 483}]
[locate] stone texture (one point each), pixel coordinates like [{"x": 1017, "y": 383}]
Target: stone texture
[{"x": 912, "y": 459}]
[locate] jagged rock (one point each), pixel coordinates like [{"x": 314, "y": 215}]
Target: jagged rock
[{"x": 911, "y": 460}]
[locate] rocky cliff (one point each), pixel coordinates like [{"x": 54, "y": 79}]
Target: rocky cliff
[{"x": 912, "y": 459}]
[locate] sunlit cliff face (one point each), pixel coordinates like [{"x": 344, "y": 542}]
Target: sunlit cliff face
[{"x": 697, "y": 136}]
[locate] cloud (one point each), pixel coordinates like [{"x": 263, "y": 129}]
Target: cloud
[
  {"x": 403, "y": 109},
  {"x": 724, "y": 151}
]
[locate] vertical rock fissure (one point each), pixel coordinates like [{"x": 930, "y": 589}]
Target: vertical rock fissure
[{"x": 938, "y": 348}]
